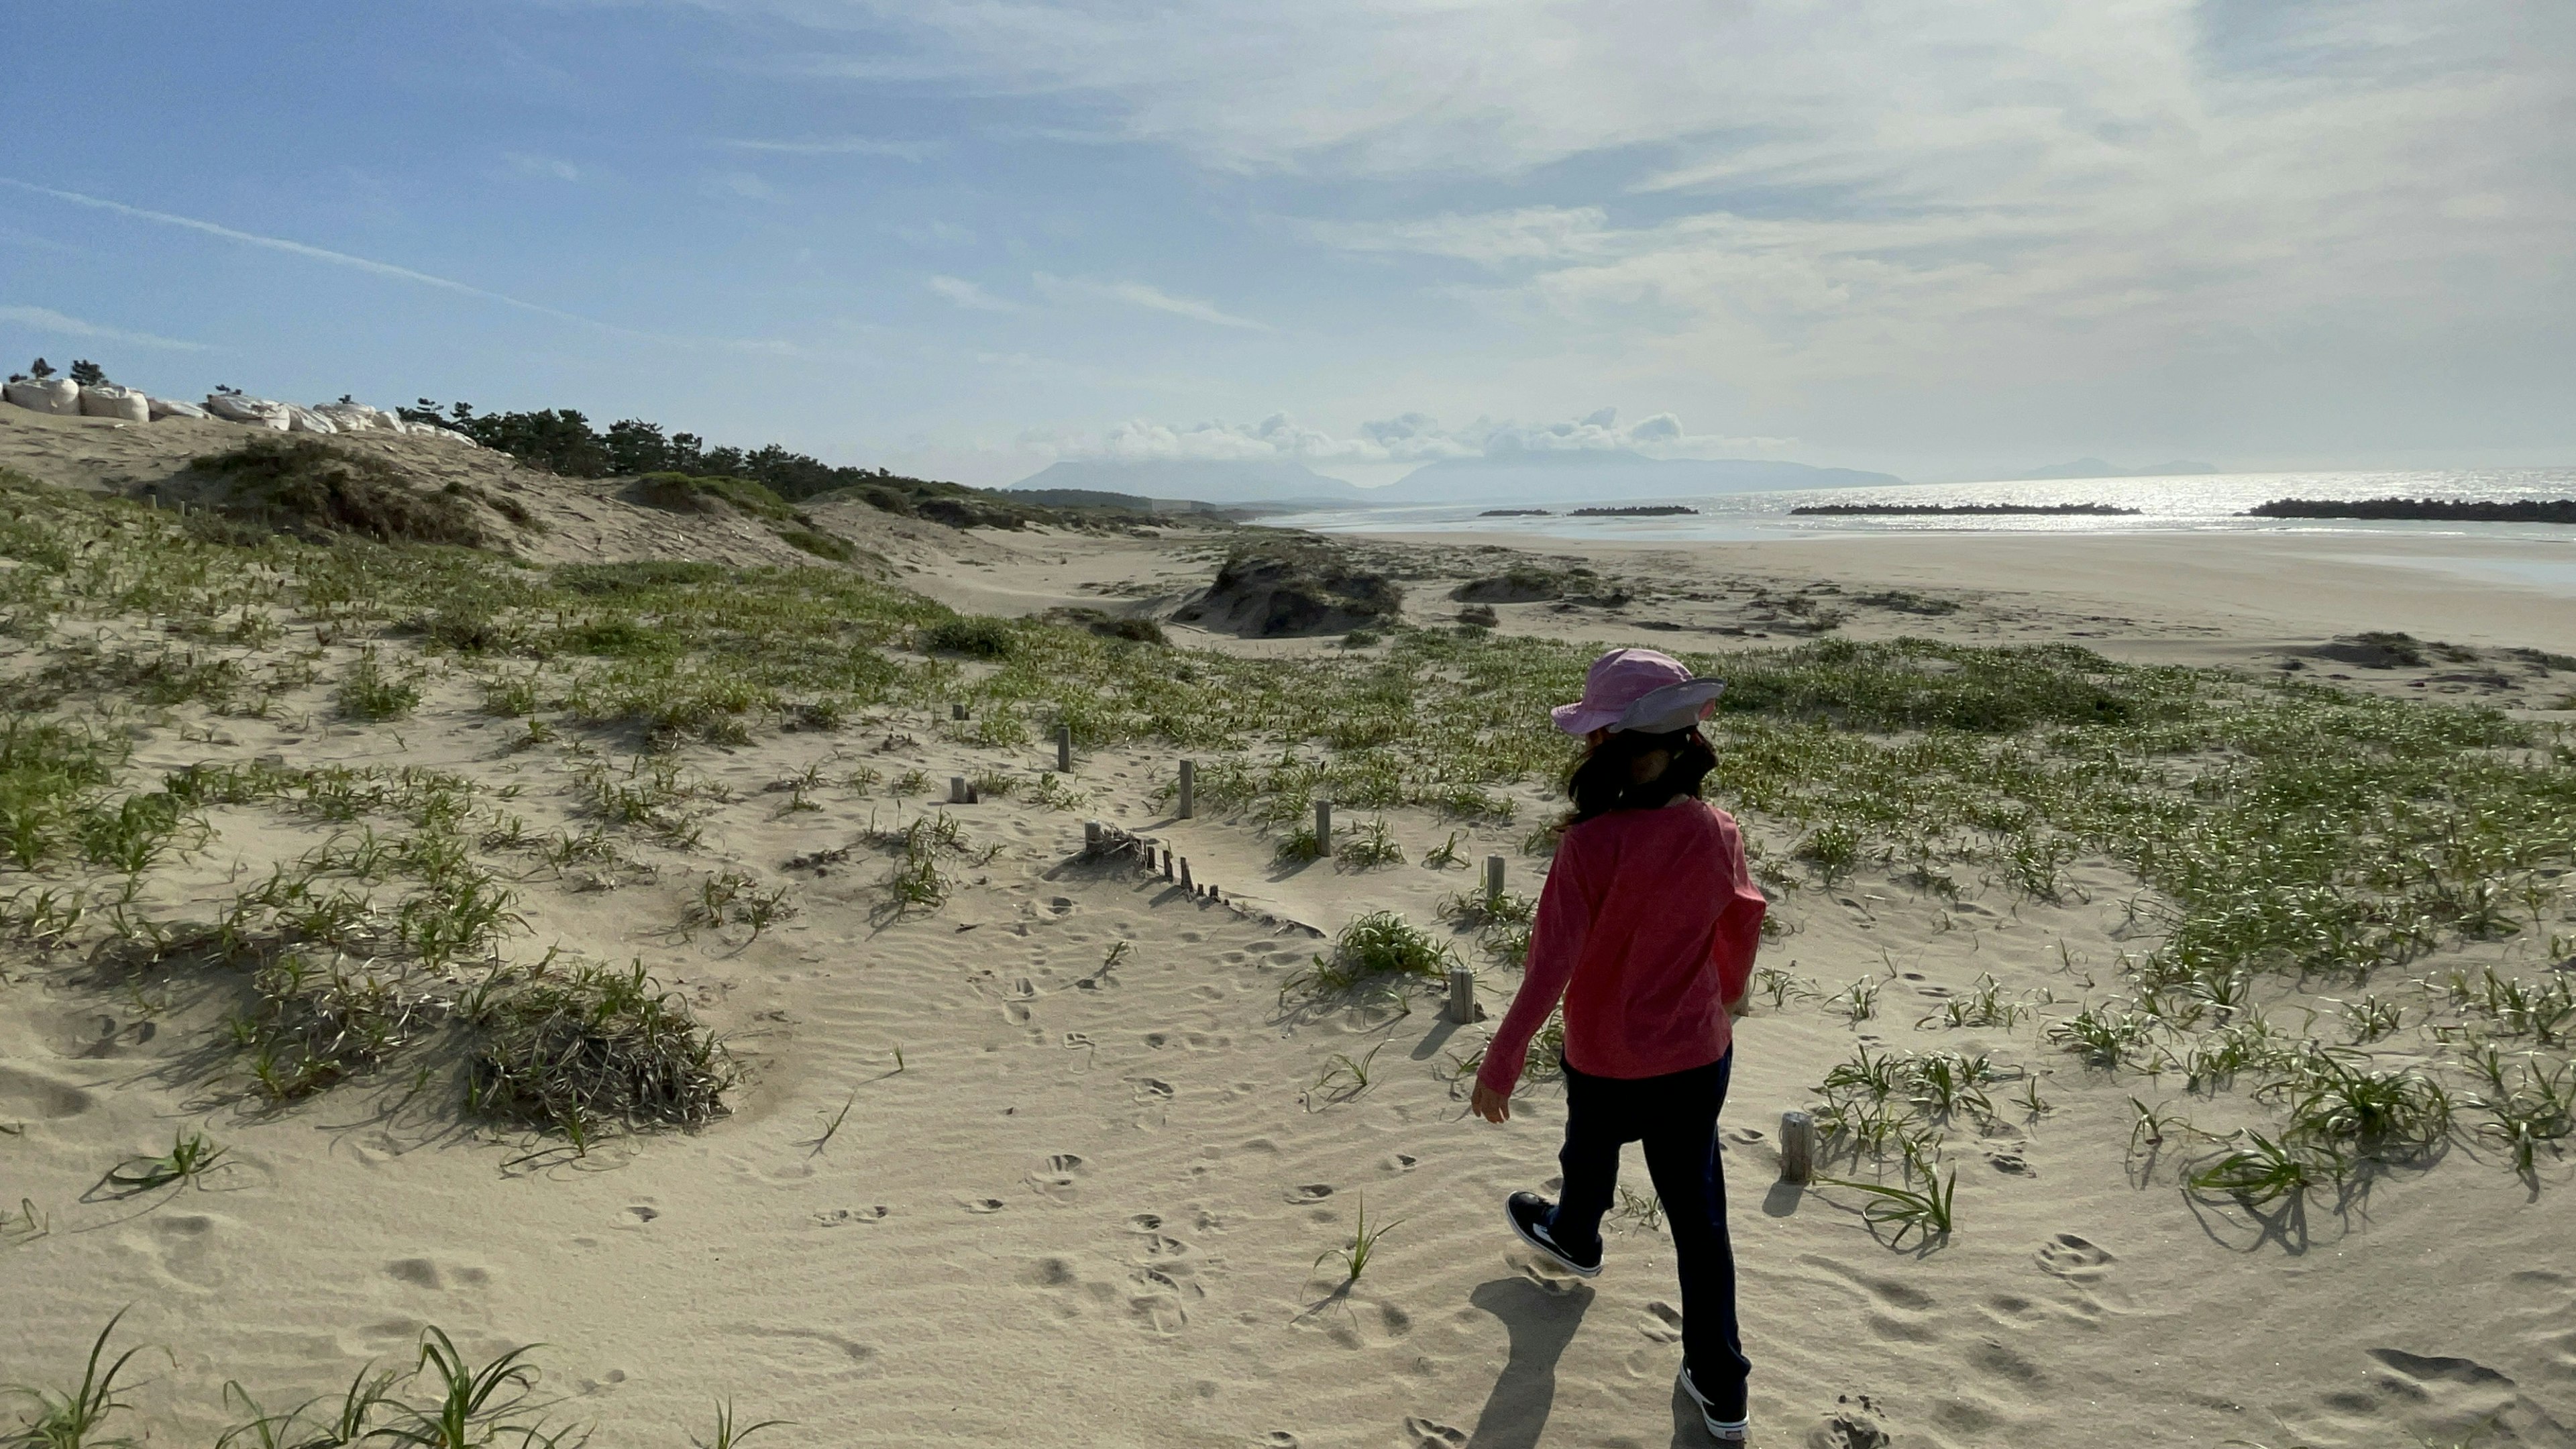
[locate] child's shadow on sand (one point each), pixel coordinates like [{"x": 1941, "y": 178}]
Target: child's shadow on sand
[{"x": 1541, "y": 1323}]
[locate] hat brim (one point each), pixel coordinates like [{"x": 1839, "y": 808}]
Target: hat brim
[
  {"x": 1673, "y": 707},
  {"x": 1576, "y": 719}
]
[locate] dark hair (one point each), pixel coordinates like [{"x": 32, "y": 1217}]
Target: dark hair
[{"x": 1603, "y": 781}]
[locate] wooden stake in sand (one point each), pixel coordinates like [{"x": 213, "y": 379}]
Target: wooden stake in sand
[
  {"x": 1167, "y": 862},
  {"x": 1797, "y": 1147},
  {"x": 1189, "y": 789},
  {"x": 1323, "y": 829},
  {"x": 1185, "y": 877},
  {"x": 956, "y": 789},
  {"x": 1462, "y": 995},
  {"x": 1064, "y": 749},
  {"x": 1493, "y": 880},
  {"x": 956, "y": 711},
  {"x": 1091, "y": 837}
]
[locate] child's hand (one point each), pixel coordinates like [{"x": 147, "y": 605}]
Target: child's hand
[
  {"x": 1491, "y": 1105},
  {"x": 1740, "y": 1006}
]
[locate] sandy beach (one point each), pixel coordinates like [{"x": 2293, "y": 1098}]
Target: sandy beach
[{"x": 1067, "y": 1156}]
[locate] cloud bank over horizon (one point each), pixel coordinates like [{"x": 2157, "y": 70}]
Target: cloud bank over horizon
[
  {"x": 964, "y": 239},
  {"x": 1409, "y": 438}
]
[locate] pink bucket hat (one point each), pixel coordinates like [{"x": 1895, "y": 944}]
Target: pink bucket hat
[{"x": 1641, "y": 690}]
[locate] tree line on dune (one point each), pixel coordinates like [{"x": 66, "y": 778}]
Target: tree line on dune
[{"x": 562, "y": 441}]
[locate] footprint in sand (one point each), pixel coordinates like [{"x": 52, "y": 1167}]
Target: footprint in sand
[
  {"x": 2448, "y": 1395},
  {"x": 985, "y": 1205},
  {"x": 1312, "y": 1192},
  {"x": 1849, "y": 1428},
  {"x": 2076, "y": 1259},
  {"x": 1054, "y": 1178},
  {"x": 429, "y": 1273},
  {"x": 1150, "y": 1091},
  {"x": 1157, "y": 1301},
  {"x": 1543, "y": 1274},
  {"x": 27, "y": 1094},
  {"x": 1144, "y": 1223},
  {"x": 837, "y": 1217},
  {"x": 1432, "y": 1434},
  {"x": 1278, "y": 1439},
  {"x": 1663, "y": 1322}
]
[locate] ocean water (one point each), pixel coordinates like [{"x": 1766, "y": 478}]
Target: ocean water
[{"x": 2206, "y": 503}]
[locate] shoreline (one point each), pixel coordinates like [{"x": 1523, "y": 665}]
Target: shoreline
[{"x": 2506, "y": 593}]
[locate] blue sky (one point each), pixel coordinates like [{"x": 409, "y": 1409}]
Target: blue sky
[{"x": 966, "y": 239}]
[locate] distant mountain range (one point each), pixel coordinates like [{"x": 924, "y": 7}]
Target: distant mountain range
[
  {"x": 2096, "y": 468},
  {"x": 1592, "y": 476}
]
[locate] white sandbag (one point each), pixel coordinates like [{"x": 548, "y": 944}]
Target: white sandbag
[
  {"x": 163, "y": 407},
  {"x": 259, "y": 412},
  {"x": 305, "y": 420},
  {"x": 107, "y": 400},
  {"x": 356, "y": 417},
  {"x": 57, "y": 395},
  {"x": 444, "y": 435}
]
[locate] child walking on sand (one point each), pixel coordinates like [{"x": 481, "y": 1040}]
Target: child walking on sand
[{"x": 1646, "y": 929}]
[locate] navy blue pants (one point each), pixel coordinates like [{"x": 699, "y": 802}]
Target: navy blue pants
[{"x": 1675, "y": 1116}]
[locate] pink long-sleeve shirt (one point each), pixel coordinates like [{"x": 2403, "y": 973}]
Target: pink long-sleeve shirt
[{"x": 1646, "y": 928}]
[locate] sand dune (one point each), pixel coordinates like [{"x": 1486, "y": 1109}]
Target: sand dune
[{"x": 1092, "y": 1153}]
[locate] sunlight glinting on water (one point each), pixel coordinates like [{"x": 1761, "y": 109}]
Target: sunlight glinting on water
[{"x": 2210, "y": 502}]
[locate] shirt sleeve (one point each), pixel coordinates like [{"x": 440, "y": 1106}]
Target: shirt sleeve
[
  {"x": 1739, "y": 923},
  {"x": 1566, "y": 906}
]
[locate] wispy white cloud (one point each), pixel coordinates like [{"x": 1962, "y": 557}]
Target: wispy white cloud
[
  {"x": 1151, "y": 298},
  {"x": 1408, "y": 438},
  {"x": 46, "y": 319},
  {"x": 746, "y": 185},
  {"x": 387, "y": 270},
  {"x": 1771, "y": 191},
  {"x": 838, "y": 146},
  {"x": 553, "y": 168},
  {"x": 966, "y": 294},
  {"x": 293, "y": 248}
]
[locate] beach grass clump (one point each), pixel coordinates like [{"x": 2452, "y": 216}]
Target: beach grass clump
[
  {"x": 49, "y": 770},
  {"x": 2256, "y": 1170},
  {"x": 1380, "y": 950},
  {"x": 690, "y": 493},
  {"x": 191, "y": 1156},
  {"x": 309, "y": 487},
  {"x": 2531, "y": 1109},
  {"x": 312, "y": 1023},
  {"x": 1354, "y": 1256},
  {"x": 72, "y": 1418},
  {"x": 1926, "y": 1210},
  {"x": 919, "y": 880},
  {"x": 2330, "y": 1101},
  {"x": 2105, "y": 1035},
  {"x": 445, "y": 1400},
  {"x": 1502, "y": 922},
  {"x": 820, "y": 544},
  {"x": 370, "y": 692},
  {"x": 1371, "y": 844},
  {"x": 971, "y": 636},
  {"x": 577, "y": 1050}
]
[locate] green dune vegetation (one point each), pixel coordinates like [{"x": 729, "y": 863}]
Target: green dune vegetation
[{"x": 2275, "y": 834}]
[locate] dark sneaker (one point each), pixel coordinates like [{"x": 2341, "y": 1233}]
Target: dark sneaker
[
  {"x": 1529, "y": 1214},
  {"x": 1723, "y": 1430}
]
